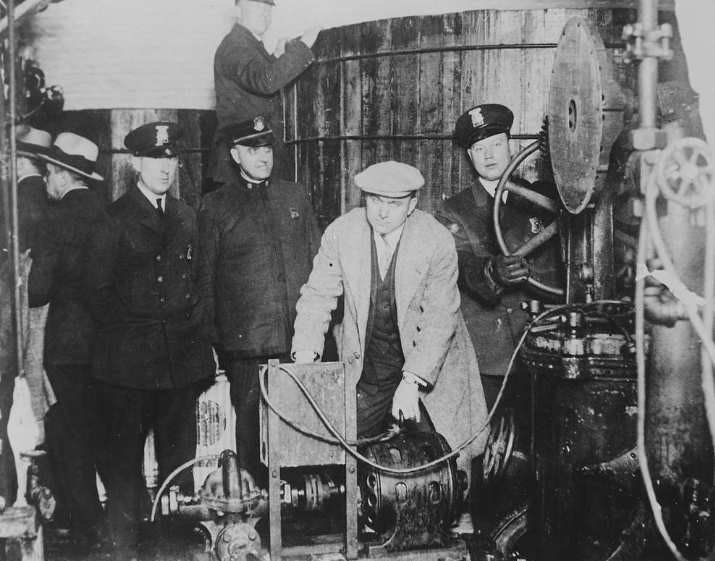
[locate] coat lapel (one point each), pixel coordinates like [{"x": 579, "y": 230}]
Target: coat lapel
[
  {"x": 410, "y": 267},
  {"x": 357, "y": 274},
  {"x": 146, "y": 212},
  {"x": 172, "y": 220}
]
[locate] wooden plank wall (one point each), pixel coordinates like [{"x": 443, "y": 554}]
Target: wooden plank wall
[{"x": 393, "y": 89}]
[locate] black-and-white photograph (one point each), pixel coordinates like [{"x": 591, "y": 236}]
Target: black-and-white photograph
[{"x": 312, "y": 280}]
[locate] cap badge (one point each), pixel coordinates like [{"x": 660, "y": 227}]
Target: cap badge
[
  {"x": 536, "y": 225},
  {"x": 258, "y": 124},
  {"x": 162, "y": 135},
  {"x": 477, "y": 117}
]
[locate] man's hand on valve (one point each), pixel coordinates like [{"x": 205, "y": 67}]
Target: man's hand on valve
[
  {"x": 406, "y": 401},
  {"x": 508, "y": 270}
]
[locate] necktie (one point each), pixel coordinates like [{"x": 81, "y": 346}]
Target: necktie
[
  {"x": 385, "y": 257},
  {"x": 159, "y": 208}
]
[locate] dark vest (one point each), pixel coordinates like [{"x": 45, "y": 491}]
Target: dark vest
[{"x": 383, "y": 351}]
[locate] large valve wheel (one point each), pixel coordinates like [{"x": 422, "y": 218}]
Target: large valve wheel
[
  {"x": 686, "y": 173},
  {"x": 539, "y": 200}
]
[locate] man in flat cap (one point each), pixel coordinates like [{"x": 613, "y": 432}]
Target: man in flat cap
[
  {"x": 494, "y": 285},
  {"x": 146, "y": 288},
  {"x": 259, "y": 235},
  {"x": 248, "y": 80},
  {"x": 402, "y": 335},
  {"x": 56, "y": 278}
]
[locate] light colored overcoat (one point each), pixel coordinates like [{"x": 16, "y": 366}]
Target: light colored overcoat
[{"x": 434, "y": 338}]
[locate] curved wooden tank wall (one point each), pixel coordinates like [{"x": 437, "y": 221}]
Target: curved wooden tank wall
[
  {"x": 107, "y": 128},
  {"x": 393, "y": 89}
]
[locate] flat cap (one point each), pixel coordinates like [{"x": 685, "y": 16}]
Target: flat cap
[
  {"x": 390, "y": 179},
  {"x": 481, "y": 122},
  {"x": 32, "y": 142},
  {"x": 154, "y": 140},
  {"x": 269, "y": 2},
  {"x": 253, "y": 132}
]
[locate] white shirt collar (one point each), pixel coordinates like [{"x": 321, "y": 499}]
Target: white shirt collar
[
  {"x": 491, "y": 187},
  {"x": 152, "y": 196},
  {"x": 392, "y": 238},
  {"x": 33, "y": 174},
  {"x": 73, "y": 189}
]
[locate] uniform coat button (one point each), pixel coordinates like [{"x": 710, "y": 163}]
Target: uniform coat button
[
  {"x": 160, "y": 279},
  {"x": 357, "y": 355},
  {"x": 158, "y": 257},
  {"x": 351, "y": 360}
]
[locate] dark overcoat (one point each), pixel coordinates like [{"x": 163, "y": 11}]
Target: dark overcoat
[
  {"x": 248, "y": 82},
  {"x": 56, "y": 276},
  {"x": 145, "y": 286},
  {"x": 493, "y": 314},
  {"x": 259, "y": 245},
  {"x": 31, "y": 208}
]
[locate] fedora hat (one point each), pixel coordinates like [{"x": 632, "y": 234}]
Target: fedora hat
[
  {"x": 75, "y": 153},
  {"x": 32, "y": 142}
]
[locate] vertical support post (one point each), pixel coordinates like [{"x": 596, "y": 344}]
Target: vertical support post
[
  {"x": 351, "y": 483},
  {"x": 274, "y": 473},
  {"x": 12, "y": 177},
  {"x": 648, "y": 67}
]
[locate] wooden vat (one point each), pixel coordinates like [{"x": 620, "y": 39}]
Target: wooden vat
[{"x": 393, "y": 89}]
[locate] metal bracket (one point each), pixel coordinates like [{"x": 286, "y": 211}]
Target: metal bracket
[{"x": 642, "y": 44}]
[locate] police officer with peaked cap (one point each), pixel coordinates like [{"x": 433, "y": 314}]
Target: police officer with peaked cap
[
  {"x": 259, "y": 235},
  {"x": 146, "y": 286},
  {"x": 494, "y": 285}
]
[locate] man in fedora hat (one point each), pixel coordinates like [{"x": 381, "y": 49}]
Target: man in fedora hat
[
  {"x": 31, "y": 195},
  {"x": 145, "y": 287},
  {"x": 248, "y": 80},
  {"x": 493, "y": 285},
  {"x": 31, "y": 208},
  {"x": 56, "y": 278},
  {"x": 402, "y": 335},
  {"x": 259, "y": 236}
]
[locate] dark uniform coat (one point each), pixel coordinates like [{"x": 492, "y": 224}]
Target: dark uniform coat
[
  {"x": 493, "y": 314},
  {"x": 56, "y": 276},
  {"x": 248, "y": 80},
  {"x": 259, "y": 244},
  {"x": 145, "y": 288}
]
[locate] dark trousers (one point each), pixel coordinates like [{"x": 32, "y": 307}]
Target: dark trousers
[
  {"x": 246, "y": 398},
  {"x": 69, "y": 428},
  {"x": 374, "y": 406},
  {"x": 128, "y": 416},
  {"x": 8, "y": 476}
]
